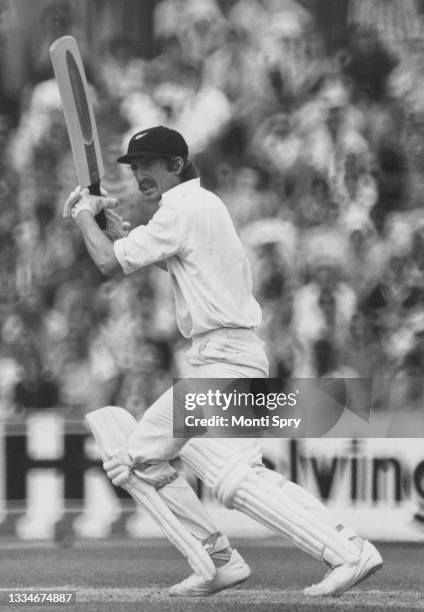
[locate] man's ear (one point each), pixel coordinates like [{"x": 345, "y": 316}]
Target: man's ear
[{"x": 178, "y": 165}]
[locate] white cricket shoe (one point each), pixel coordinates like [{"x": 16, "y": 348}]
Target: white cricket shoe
[
  {"x": 232, "y": 573},
  {"x": 344, "y": 577}
]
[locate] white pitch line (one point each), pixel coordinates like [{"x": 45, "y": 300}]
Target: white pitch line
[
  {"x": 19, "y": 545},
  {"x": 119, "y": 542}
]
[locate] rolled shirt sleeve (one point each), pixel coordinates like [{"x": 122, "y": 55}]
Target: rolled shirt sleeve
[{"x": 147, "y": 244}]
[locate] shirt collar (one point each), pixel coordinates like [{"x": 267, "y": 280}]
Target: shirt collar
[{"x": 179, "y": 192}]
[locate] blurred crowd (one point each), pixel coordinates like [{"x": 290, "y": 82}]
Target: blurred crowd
[{"x": 318, "y": 154}]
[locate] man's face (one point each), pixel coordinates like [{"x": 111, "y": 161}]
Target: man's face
[{"x": 153, "y": 177}]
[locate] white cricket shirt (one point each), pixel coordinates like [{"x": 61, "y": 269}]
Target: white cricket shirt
[{"x": 210, "y": 273}]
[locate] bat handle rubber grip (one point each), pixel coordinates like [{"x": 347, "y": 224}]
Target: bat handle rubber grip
[{"x": 94, "y": 189}]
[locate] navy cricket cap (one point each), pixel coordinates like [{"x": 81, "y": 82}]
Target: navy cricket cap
[{"x": 158, "y": 141}]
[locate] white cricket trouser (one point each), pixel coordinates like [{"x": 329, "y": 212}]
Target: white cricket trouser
[{"x": 221, "y": 353}]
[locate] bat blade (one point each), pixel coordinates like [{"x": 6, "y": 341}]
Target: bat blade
[{"x": 79, "y": 114}]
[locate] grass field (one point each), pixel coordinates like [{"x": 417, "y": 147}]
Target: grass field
[{"x": 133, "y": 576}]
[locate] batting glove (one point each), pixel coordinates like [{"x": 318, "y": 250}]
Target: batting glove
[
  {"x": 116, "y": 227},
  {"x": 80, "y": 199},
  {"x": 119, "y": 468}
]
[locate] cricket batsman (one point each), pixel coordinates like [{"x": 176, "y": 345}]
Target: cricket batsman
[{"x": 192, "y": 236}]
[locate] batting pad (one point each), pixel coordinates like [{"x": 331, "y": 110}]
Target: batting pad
[
  {"x": 235, "y": 483},
  {"x": 111, "y": 427}
]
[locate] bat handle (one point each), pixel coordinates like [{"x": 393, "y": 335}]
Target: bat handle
[{"x": 94, "y": 189}]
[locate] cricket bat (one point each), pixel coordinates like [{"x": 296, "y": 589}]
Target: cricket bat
[{"x": 79, "y": 115}]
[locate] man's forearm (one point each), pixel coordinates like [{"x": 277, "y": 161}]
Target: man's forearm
[{"x": 98, "y": 245}]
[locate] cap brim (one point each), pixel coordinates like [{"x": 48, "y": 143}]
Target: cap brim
[{"x": 130, "y": 157}]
